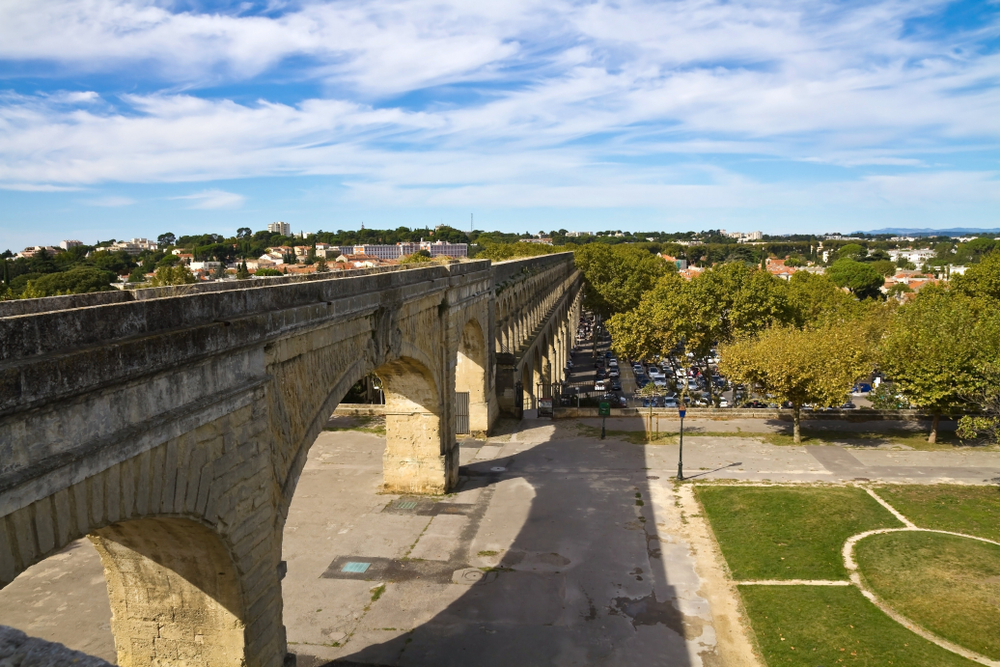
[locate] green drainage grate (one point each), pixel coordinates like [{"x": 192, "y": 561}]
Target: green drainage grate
[
  {"x": 355, "y": 567},
  {"x": 406, "y": 504}
]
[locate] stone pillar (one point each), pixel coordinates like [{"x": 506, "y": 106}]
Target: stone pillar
[
  {"x": 178, "y": 596},
  {"x": 419, "y": 453}
]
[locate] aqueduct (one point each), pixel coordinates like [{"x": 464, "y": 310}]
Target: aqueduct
[{"x": 170, "y": 425}]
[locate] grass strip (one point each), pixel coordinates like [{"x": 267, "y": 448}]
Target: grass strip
[
  {"x": 949, "y": 585},
  {"x": 973, "y": 510},
  {"x": 789, "y": 532},
  {"x": 807, "y": 626}
]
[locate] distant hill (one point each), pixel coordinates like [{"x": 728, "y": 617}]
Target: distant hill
[{"x": 954, "y": 231}]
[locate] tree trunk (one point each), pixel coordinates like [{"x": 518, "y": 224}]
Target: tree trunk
[
  {"x": 708, "y": 383},
  {"x": 796, "y": 432},
  {"x": 932, "y": 438}
]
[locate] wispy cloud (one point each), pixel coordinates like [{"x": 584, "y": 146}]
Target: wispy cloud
[
  {"x": 214, "y": 199},
  {"x": 519, "y": 103},
  {"x": 110, "y": 201}
]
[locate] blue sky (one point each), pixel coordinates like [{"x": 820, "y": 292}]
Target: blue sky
[{"x": 121, "y": 119}]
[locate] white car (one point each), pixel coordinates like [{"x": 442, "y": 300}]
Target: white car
[{"x": 599, "y": 385}]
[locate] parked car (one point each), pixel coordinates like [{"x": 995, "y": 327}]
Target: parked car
[
  {"x": 848, "y": 406},
  {"x": 599, "y": 385},
  {"x": 670, "y": 402},
  {"x": 755, "y": 404},
  {"x": 616, "y": 385},
  {"x": 652, "y": 370},
  {"x": 723, "y": 402},
  {"x": 614, "y": 373}
]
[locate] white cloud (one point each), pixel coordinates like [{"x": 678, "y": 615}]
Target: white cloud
[
  {"x": 572, "y": 99},
  {"x": 110, "y": 201},
  {"x": 38, "y": 187},
  {"x": 214, "y": 199}
]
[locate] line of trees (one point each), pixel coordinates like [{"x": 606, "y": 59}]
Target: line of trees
[{"x": 808, "y": 340}]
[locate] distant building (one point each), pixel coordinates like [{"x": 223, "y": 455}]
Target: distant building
[
  {"x": 543, "y": 240},
  {"x": 916, "y": 257},
  {"x": 31, "y": 251},
  {"x": 577, "y": 234},
  {"x": 777, "y": 268},
  {"x": 391, "y": 252},
  {"x": 282, "y": 228},
  {"x": 133, "y": 247},
  {"x": 743, "y": 237},
  {"x": 66, "y": 245},
  {"x": 681, "y": 264}
]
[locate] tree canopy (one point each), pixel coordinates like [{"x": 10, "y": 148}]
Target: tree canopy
[
  {"x": 861, "y": 278},
  {"x": 618, "y": 276},
  {"x": 815, "y": 365},
  {"x": 936, "y": 348}
]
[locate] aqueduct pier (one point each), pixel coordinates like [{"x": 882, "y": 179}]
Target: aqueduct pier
[{"x": 170, "y": 425}]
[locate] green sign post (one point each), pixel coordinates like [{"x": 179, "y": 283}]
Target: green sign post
[{"x": 603, "y": 409}]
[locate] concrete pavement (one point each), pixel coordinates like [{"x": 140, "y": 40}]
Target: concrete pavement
[{"x": 558, "y": 549}]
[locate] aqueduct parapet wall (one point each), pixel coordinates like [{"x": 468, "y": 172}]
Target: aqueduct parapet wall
[{"x": 170, "y": 427}]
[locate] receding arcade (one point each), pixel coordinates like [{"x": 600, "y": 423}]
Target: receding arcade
[{"x": 171, "y": 426}]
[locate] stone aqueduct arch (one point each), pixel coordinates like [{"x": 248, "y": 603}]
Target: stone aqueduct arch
[{"x": 171, "y": 426}]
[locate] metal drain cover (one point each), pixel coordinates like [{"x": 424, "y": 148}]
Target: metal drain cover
[
  {"x": 498, "y": 469},
  {"x": 470, "y": 576}
]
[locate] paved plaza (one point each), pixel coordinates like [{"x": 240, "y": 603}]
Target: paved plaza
[{"x": 557, "y": 549}]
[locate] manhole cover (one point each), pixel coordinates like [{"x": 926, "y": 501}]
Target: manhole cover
[
  {"x": 471, "y": 576},
  {"x": 498, "y": 469},
  {"x": 355, "y": 567},
  {"x": 406, "y": 504}
]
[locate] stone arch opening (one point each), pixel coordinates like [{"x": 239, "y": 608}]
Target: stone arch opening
[
  {"x": 419, "y": 454},
  {"x": 176, "y": 596},
  {"x": 471, "y": 375}
]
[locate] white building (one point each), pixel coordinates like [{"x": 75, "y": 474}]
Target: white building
[
  {"x": 282, "y": 228},
  {"x": 916, "y": 257},
  {"x": 66, "y": 245}
]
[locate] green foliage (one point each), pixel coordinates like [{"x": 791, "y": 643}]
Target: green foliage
[
  {"x": 419, "y": 257},
  {"x": 617, "y": 276},
  {"x": 75, "y": 281},
  {"x": 981, "y": 280},
  {"x": 263, "y": 273},
  {"x": 172, "y": 275},
  {"x": 499, "y": 252},
  {"x": 884, "y": 266},
  {"x": 885, "y": 397},
  {"x": 937, "y": 348},
  {"x": 167, "y": 239},
  {"x": 862, "y": 279},
  {"x": 321, "y": 266},
  {"x": 814, "y": 298},
  {"x": 813, "y": 365},
  {"x": 721, "y": 303},
  {"x": 854, "y": 251}
]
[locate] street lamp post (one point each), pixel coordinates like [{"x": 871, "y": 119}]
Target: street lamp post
[{"x": 680, "y": 450}]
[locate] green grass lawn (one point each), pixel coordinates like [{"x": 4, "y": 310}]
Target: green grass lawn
[
  {"x": 809, "y": 626},
  {"x": 949, "y": 585},
  {"x": 789, "y": 532},
  {"x": 973, "y": 510},
  {"x": 917, "y": 440}
]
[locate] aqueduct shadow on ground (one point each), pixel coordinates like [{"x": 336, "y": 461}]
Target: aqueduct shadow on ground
[{"x": 582, "y": 582}]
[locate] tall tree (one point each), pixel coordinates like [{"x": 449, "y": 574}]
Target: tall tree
[
  {"x": 618, "y": 275},
  {"x": 982, "y": 280},
  {"x": 935, "y": 349},
  {"x": 864, "y": 281},
  {"x": 813, "y": 365}
]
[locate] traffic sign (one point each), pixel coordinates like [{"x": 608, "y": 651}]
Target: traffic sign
[{"x": 604, "y": 409}]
